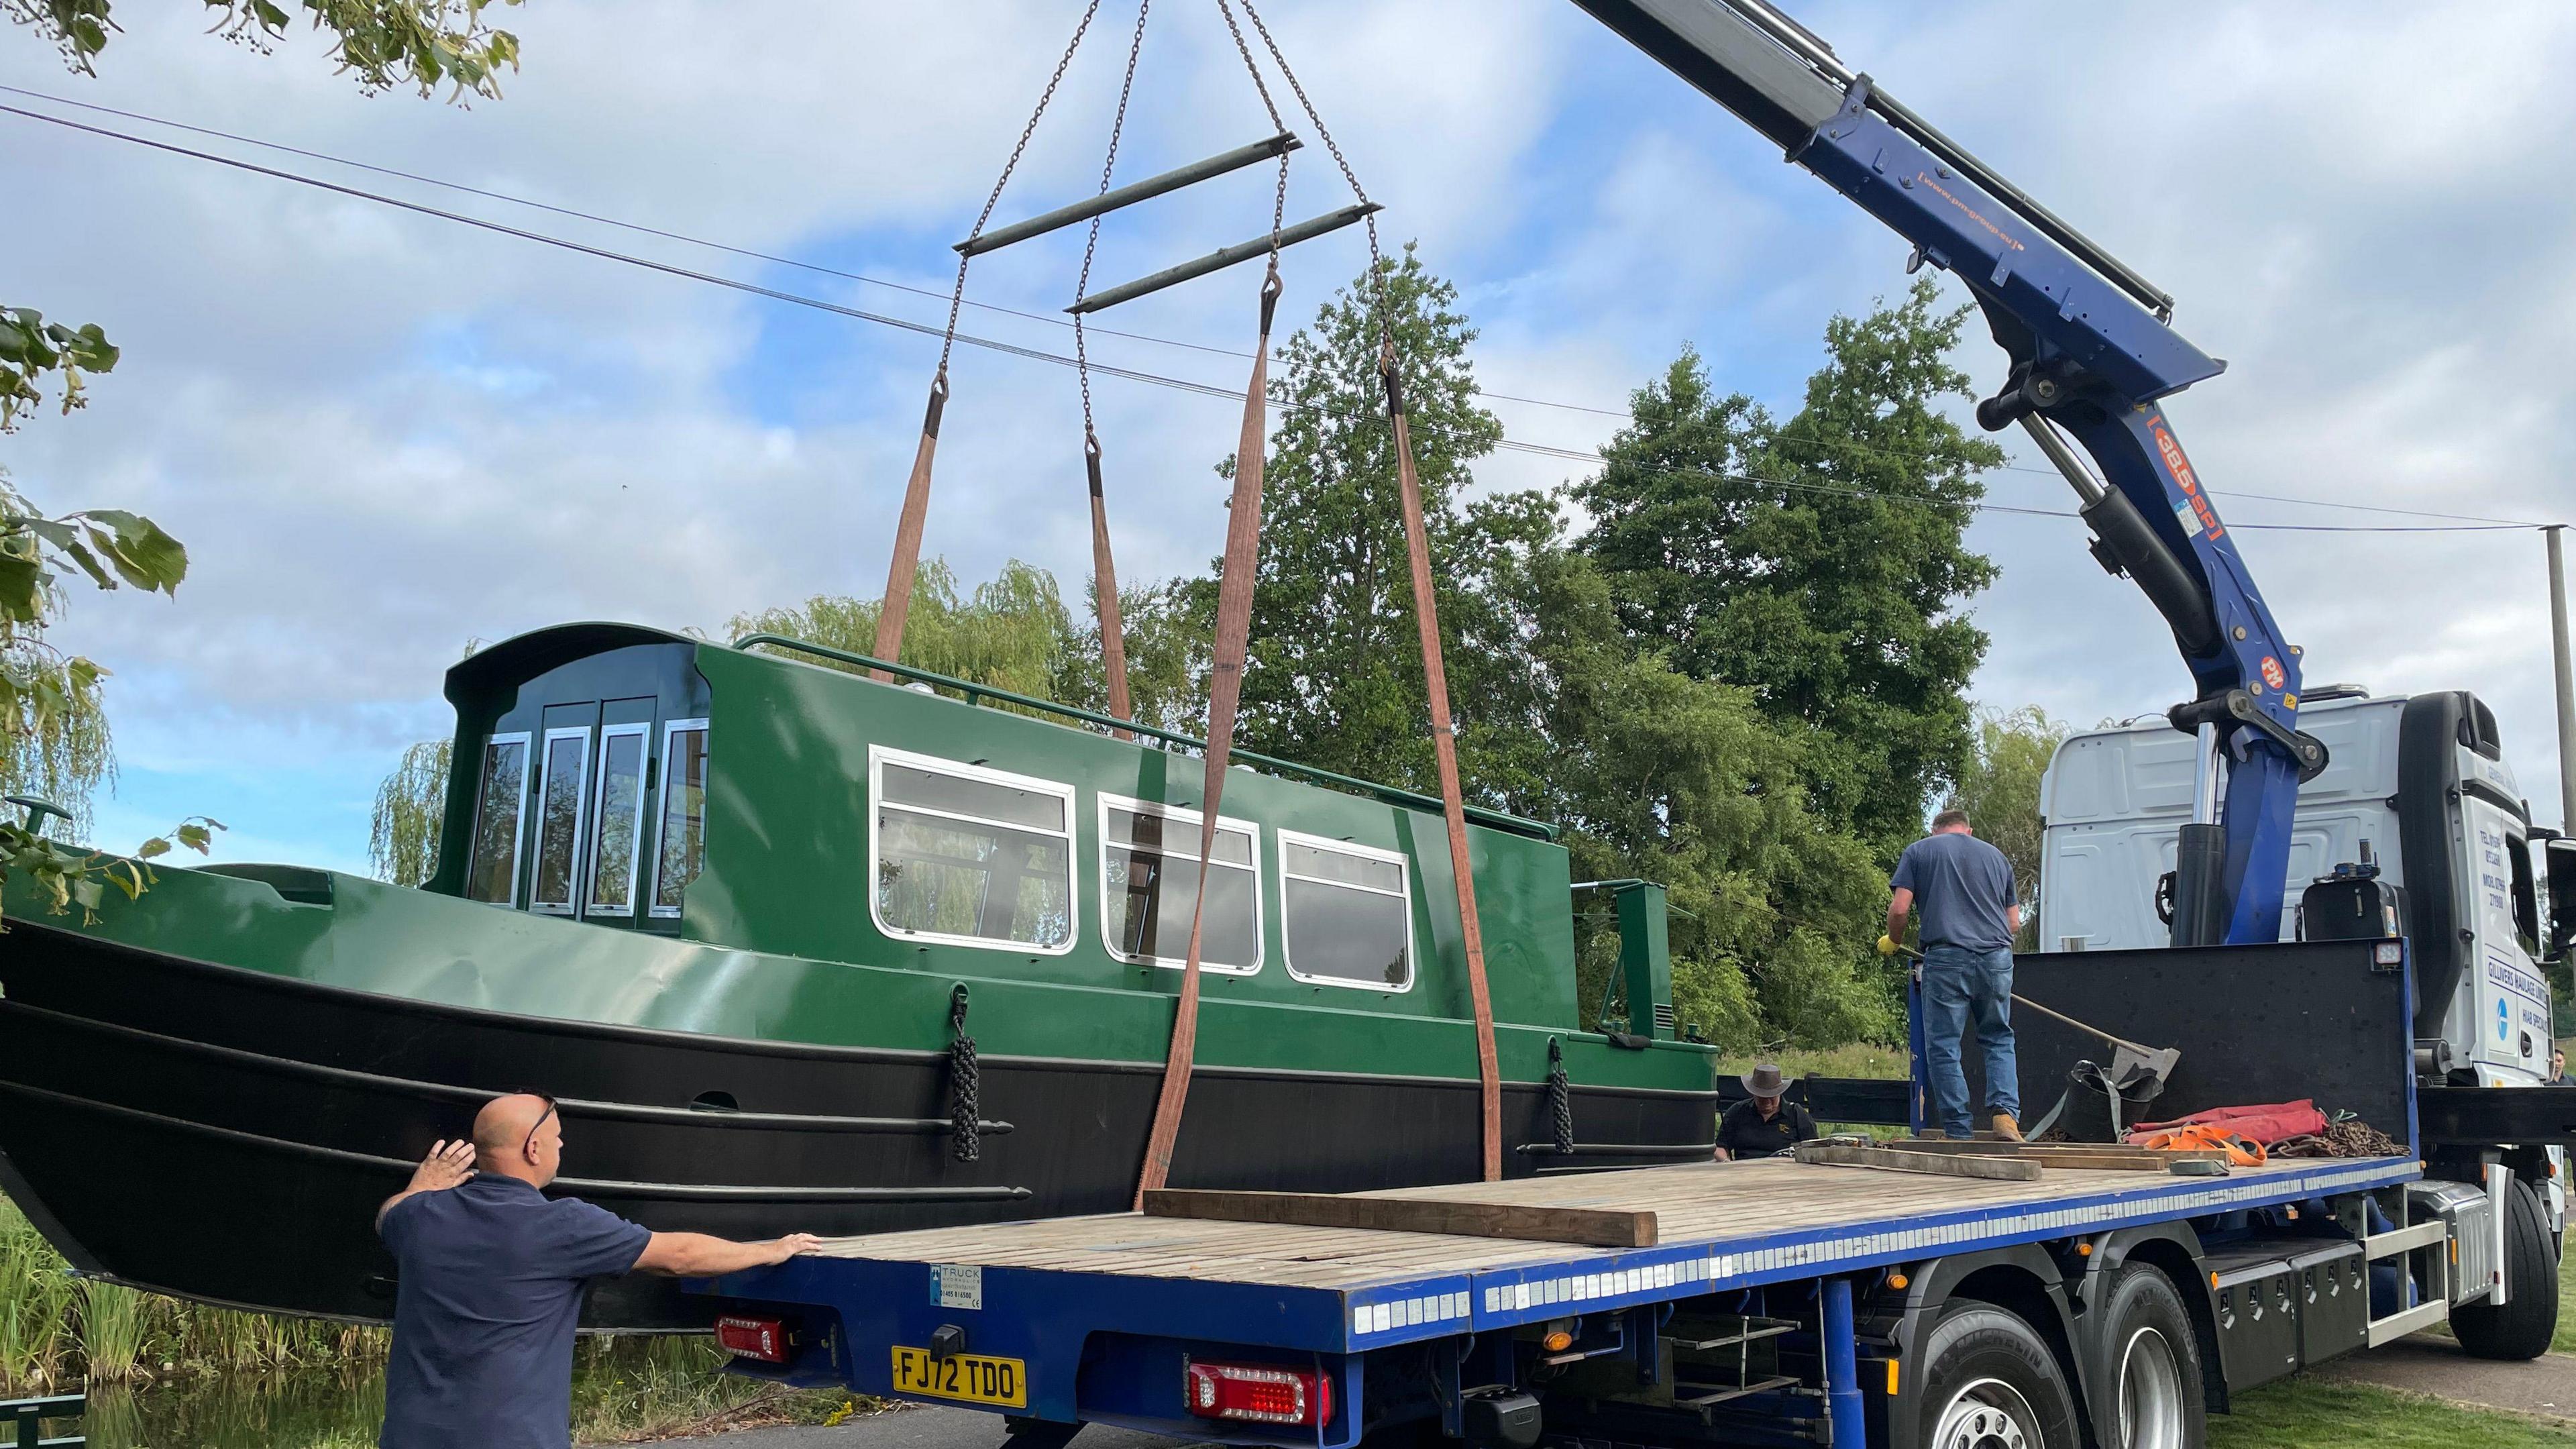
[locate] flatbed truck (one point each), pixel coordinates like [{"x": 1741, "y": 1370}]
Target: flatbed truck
[{"x": 1767, "y": 1302}]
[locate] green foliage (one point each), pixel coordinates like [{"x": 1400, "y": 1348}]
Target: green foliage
[
  {"x": 54, "y": 738},
  {"x": 1334, "y": 676},
  {"x": 1999, "y": 788},
  {"x": 1012, "y": 633},
  {"x": 30, "y": 347},
  {"x": 1818, "y": 561},
  {"x": 402, "y": 840},
  {"x": 382, "y": 43}
]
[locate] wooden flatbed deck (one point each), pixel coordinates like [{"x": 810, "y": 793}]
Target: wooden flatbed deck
[{"x": 1722, "y": 1225}]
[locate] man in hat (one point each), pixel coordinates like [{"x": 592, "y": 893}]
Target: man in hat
[{"x": 1763, "y": 1125}]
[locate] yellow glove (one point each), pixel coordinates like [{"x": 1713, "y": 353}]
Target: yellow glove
[{"x": 1887, "y": 946}]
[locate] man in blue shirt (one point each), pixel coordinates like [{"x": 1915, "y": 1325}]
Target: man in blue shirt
[
  {"x": 1965, "y": 889},
  {"x": 492, "y": 1277}
]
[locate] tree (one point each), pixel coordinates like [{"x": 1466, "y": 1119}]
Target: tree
[
  {"x": 1999, "y": 788},
  {"x": 1819, "y": 561},
  {"x": 402, "y": 839},
  {"x": 1334, "y": 675}
]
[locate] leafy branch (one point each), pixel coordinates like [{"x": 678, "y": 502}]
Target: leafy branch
[
  {"x": 65, "y": 877},
  {"x": 30, "y": 347},
  {"x": 383, "y": 43}
]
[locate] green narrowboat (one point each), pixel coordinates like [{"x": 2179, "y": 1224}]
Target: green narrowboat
[{"x": 800, "y": 949}]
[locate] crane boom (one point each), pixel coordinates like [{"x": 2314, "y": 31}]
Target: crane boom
[{"x": 2092, "y": 353}]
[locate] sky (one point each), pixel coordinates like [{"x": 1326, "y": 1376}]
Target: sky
[{"x": 384, "y": 436}]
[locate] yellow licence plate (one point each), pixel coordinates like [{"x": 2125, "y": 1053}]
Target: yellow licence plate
[{"x": 970, "y": 1378}]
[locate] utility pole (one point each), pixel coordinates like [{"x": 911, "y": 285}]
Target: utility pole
[{"x": 2560, "y": 663}]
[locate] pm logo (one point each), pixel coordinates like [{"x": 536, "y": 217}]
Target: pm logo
[{"x": 2273, "y": 674}]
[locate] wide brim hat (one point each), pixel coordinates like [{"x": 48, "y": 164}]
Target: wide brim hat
[{"x": 1765, "y": 1080}]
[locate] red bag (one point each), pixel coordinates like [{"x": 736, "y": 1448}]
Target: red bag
[{"x": 2267, "y": 1122}]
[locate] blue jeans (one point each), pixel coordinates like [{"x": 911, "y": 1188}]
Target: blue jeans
[{"x": 1960, "y": 985}]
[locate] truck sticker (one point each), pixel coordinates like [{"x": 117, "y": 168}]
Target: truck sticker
[{"x": 957, "y": 1285}]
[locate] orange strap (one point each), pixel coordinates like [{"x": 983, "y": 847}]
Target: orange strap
[
  {"x": 1444, "y": 747},
  {"x": 1225, "y": 696},
  {"x": 2204, "y": 1137},
  {"x": 907, "y": 535},
  {"x": 1104, "y": 585}
]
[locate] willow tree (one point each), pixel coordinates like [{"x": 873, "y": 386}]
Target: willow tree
[{"x": 402, "y": 843}]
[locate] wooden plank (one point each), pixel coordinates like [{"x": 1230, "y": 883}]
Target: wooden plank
[
  {"x": 1932, "y": 1164},
  {"x": 2001, "y": 1148},
  {"x": 1594, "y": 1227}
]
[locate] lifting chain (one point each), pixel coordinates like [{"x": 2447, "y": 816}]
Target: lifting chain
[
  {"x": 1104, "y": 566},
  {"x": 965, "y": 1084}
]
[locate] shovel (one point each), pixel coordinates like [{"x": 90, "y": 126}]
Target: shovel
[{"x": 2132, "y": 1065}]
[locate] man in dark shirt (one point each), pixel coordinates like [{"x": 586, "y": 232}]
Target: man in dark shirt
[
  {"x": 1965, "y": 890},
  {"x": 1763, "y": 1125},
  {"x": 492, "y": 1277}
]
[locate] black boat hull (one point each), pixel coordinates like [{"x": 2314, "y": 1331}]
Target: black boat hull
[{"x": 224, "y": 1134}]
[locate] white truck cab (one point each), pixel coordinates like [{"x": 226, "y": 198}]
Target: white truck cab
[{"x": 2416, "y": 786}]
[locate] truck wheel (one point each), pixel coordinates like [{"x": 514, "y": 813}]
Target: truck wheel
[
  {"x": 1990, "y": 1383},
  {"x": 2153, "y": 1359},
  {"x": 2522, "y": 1328}
]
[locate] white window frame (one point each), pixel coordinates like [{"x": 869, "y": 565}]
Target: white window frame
[
  {"x": 662, "y": 813},
  {"x": 518, "y": 829},
  {"x": 580, "y": 819},
  {"x": 879, "y": 756},
  {"x": 1197, "y": 820},
  {"x": 642, "y": 730},
  {"x": 1287, "y": 948}
]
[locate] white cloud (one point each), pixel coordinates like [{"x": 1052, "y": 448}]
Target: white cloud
[{"x": 382, "y": 434}]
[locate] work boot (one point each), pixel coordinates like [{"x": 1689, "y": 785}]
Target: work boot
[{"x": 2006, "y": 1128}]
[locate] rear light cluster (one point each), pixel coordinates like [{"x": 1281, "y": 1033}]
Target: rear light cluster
[
  {"x": 1260, "y": 1393},
  {"x": 762, "y": 1338}
]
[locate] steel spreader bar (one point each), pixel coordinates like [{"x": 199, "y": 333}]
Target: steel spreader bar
[
  {"x": 1218, "y": 261},
  {"x": 1130, "y": 194}
]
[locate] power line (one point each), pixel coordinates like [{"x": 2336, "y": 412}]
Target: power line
[
  {"x": 861, "y": 277},
  {"x": 1041, "y": 355}
]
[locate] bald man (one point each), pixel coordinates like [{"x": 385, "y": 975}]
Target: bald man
[{"x": 492, "y": 1276}]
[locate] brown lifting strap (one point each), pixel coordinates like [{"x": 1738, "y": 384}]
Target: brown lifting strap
[
  {"x": 1104, "y": 583},
  {"x": 1444, "y": 747},
  {"x": 907, "y": 534},
  {"x": 1225, "y": 694}
]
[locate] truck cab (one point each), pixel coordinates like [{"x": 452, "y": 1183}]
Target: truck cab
[{"x": 2417, "y": 787}]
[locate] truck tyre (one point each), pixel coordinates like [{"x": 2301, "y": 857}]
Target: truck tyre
[
  {"x": 1991, "y": 1383},
  {"x": 2151, "y": 1359},
  {"x": 2522, "y": 1328}
]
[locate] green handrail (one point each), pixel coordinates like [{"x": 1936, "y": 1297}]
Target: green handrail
[{"x": 976, "y": 694}]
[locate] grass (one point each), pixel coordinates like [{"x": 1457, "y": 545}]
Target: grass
[{"x": 2301, "y": 1413}]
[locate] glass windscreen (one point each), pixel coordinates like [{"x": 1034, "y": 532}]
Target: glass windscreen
[
  {"x": 1150, "y": 894},
  {"x": 559, "y": 821},
  {"x": 984, "y": 878},
  {"x": 684, "y": 818},
  {"x": 493, "y": 870},
  {"x": 620, "y": 815}
]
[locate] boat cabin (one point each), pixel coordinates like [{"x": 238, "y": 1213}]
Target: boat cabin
[{"x": 774, "y": 798}]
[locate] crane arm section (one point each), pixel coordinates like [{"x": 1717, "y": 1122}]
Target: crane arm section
[{"x": 2093, "y": 354}]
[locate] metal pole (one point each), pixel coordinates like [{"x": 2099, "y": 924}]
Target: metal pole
[
  {"x": 1844, "y": 1415},
  {"x": 2566, "y": 671},
  {"x": 1129, "y": 195},
  {"x": 2204, "y": 776},
  {"x": 1218, "y": 261}
]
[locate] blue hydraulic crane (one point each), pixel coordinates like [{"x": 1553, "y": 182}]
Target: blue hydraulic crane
[{"x": 2093, "y": 357}]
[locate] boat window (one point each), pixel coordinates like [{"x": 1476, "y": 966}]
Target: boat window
[
  {"x": 501, "y": 803},
  {"x": 617, "y": 825},
  {"x": 971, "y": 855},
  {"x": 684, "y": 812},
  {"x": 1149, "y": 884},
  {"x": 560, "y": 791},
  {"x": 1347, "y": 913}
]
